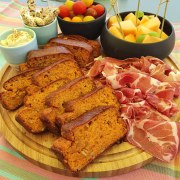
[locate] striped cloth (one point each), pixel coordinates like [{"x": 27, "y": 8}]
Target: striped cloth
[{"x": 14, "y": 166}]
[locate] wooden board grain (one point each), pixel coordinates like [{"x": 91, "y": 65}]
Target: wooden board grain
[{"x": 119, "y": 159}]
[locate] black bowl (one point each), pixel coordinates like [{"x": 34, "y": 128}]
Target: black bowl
[
  {"x": 89, "y": 29},
  {"x": 120, "y": 49}
]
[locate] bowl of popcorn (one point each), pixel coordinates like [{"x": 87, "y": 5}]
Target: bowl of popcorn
[
  {"x": 16, "y": 43},
  {"x": 43, "y": 22},
  {"x": 83, "y": 17}
]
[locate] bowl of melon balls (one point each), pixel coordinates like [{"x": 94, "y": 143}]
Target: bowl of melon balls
[
  {"x": 83, "y": 17},
  {"x": 125, "y": 35}
]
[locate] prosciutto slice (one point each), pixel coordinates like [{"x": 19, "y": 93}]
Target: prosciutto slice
[
  {"x": 100, "y": 63},
  {"x": 134, "y": 80},
  {"x": 163, "y": 74},
  {"x": 164, "y": 106},
  {"x": 166, "y": 91},
  {"x": 139, "y": 111},
  {"x": 160, "y": 138},
  {"x": 146, "y": 88}
]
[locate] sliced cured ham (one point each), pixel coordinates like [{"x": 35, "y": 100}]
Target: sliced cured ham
[
  {"x": 110, "y": 69},
  {"x": 99, "y": 64},
  {"x": 121, "y": 97},
  {"x": 176, "y": 85},
  {"x": 134, "y": 80},
  {"x": 134, "y": 95},
  {"x": 135, "y": 111},
  {"x": 145, "y": 88},
  {"x": 141, "y": 110},
  {"x": 159, "y": 138},
  {"x": 166, "y": 91},
  {"x": 162, "y": 73},
  {"x": 164, "y": 106},
  {"x": 111, "y": 66}
]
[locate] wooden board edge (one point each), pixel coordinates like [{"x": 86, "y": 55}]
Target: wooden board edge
[
  {"x": 53, "y": 162},
  {"x": 3, "y": 70},
  {"x": 60, "y": 169},
  {"x": 174, "y": 61},
  {"x": 66, "y": 172}
]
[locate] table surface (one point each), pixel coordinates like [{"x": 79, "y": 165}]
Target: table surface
[
  {"x": 173, "y": 12},
  {"x": 14, "y": 166}
]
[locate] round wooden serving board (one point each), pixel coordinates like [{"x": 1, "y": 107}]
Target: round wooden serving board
[{"x": 119, "y": 159}]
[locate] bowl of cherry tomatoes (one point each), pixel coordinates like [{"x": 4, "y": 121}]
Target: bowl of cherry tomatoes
[{"x": 85, "y": 17}]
